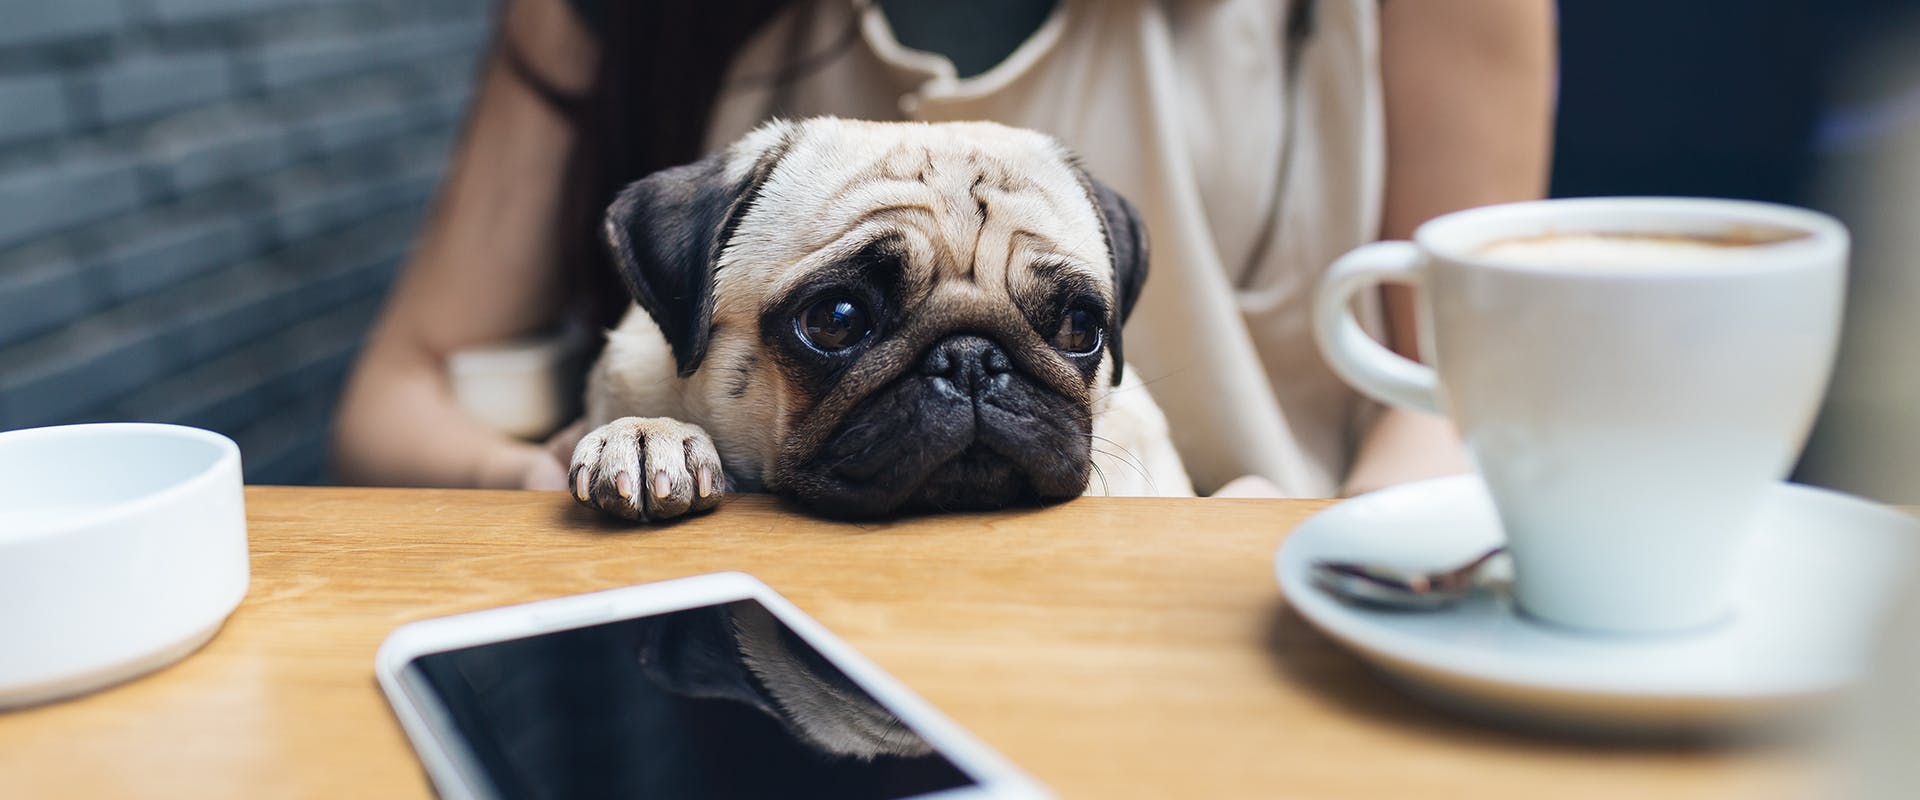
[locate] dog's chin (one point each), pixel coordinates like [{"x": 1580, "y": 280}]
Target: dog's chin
[
  {"x": 977, "y": 479},
  {"x": 907, "y": 452}
]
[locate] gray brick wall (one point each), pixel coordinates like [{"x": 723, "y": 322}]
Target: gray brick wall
[{"x": 202, "y": 203}]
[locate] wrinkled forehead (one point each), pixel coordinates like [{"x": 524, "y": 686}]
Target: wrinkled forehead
[{"x": 975, "y": 200}]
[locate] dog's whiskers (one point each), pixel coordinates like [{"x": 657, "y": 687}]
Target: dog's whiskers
[
  {"x": 1119, "y": 460},
  {"x": 1125, "y": 457},
  {"x": 1134, "y": 460},
  {"x": 1106, "y": 490}
]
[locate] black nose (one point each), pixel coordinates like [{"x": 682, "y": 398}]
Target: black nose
[{"x": 970, "y": 363}]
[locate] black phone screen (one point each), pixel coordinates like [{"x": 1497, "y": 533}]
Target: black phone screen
[{"x": 722, "y": 701}]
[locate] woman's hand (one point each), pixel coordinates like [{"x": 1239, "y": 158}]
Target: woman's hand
[
  {"x": 551, "y": 472},
  {"x": 520, "y": 465}
]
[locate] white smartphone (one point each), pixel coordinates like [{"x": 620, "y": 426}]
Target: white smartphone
[{"x": 711, "y": 686}]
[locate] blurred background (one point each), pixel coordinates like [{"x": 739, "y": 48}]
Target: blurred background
[{"x": 202, "y": 201}]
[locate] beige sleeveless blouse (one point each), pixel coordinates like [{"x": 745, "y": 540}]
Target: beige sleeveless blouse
[{"x": 1255, "y": 155}]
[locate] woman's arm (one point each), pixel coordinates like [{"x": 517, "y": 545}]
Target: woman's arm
[
  {"x": 1469, "y": 111},
  {"x": 485, "y": 270}
]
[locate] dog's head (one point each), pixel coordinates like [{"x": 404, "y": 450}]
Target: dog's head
[{"x": 883, "y": 316}]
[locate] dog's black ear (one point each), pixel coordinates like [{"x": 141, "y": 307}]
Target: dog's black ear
[
  {"x": 1127, "y": 241},
  {"x": 667, "y": 232}
]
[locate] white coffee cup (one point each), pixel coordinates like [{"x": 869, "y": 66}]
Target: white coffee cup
[{"x": 1626, "y": 402}]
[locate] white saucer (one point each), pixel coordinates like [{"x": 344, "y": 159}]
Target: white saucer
[{"x": 1817, "y": 577}]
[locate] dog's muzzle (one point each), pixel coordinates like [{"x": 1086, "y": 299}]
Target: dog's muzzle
[{"x": 964, "y": 430}]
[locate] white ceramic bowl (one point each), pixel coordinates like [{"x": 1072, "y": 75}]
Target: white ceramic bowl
[{"x": 123, "y": 547}]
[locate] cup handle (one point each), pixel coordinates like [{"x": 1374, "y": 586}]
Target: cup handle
[{"x": 1359, "y": 360}]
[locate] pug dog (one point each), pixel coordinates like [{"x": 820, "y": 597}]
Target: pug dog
[{"x": 872, "y": 318}]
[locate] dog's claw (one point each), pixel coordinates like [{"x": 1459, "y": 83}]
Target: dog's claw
[{"x": 647, "y": 469}]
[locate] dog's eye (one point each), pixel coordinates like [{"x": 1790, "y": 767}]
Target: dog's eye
[
  {"x": 834, "y": 324},
  {"x": 1079, "y": 332}
]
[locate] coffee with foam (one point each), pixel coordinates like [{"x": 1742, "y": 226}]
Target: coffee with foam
[{"x": 1630, "y": 251}]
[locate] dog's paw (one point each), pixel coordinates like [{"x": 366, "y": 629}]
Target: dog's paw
[{"x": 647, "y": 469}]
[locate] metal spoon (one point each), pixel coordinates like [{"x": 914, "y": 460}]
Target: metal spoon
[{"x": 1376, "y": 585}]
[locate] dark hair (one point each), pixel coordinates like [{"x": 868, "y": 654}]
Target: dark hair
[{"x": 661, "y": 66}]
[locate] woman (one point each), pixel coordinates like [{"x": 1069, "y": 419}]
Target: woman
[{"x": 1259, "y": 138}]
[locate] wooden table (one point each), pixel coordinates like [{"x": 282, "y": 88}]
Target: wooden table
[{"x": 1112, "y": 647}]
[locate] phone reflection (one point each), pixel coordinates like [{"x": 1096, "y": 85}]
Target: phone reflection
[
  {"x": 719, "y": 701},
  {"x": 740, "y": 652}
]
